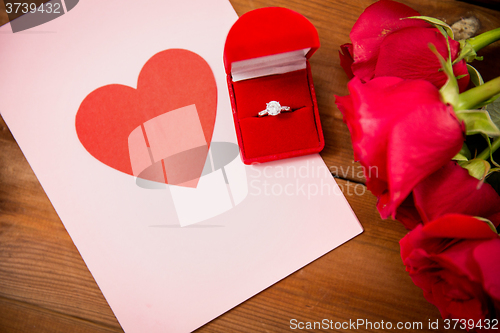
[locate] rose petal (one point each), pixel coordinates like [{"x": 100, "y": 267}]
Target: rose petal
[
  {"x": 460, "y": 68},
  {"x": 406, "y": 54},
  {"x": 414, "y": 154},
  {"x": 373, "y": 25},
  {"x": 455, "y": 259},
  {"x": 346, "y": 59},
  {"x": 452, "y": 190},
  {"x": 444, "y": 232},
  {"x": 386, "y": 117},
  {"x": 461, "y": 298},
  {"x": 459, "y": 257},
  {"x": 408, "y": 214},
  {"x": 487, "y": 255},
  {"x": 458, "y": 226}
]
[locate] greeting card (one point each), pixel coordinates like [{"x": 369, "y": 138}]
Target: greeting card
[{"x": 123, "y": 112}]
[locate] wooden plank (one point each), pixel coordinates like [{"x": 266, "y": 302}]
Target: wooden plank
[
  {"x": 4, "y": 18},
  {"x": 22, "y": 317}
]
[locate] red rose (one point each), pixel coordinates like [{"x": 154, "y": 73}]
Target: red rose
[
  {"x": 386, "y": 44},
  {"x": 407, "y": 214},
  {"x": 401, "y": 133},
  {"x": 449, "y": 190},
  {"x": 346, "y": 60},
  {"x": 455, "y": 260}
]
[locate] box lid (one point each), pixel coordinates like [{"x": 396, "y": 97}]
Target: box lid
[{"x": 267, "y": 31}]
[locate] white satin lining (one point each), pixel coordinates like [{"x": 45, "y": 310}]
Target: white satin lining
[{"x": 268, "y": 65}]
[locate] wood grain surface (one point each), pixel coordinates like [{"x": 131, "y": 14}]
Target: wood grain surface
[{"x": 46, "y": 287}]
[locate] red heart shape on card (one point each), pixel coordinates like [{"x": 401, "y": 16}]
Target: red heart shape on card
[{"x": 170, "y": 80}]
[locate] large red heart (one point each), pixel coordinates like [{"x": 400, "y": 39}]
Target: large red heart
[{"x": 170, "y": 80}]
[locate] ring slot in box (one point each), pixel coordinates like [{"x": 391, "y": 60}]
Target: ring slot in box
[{"x": 266, "y": 59}]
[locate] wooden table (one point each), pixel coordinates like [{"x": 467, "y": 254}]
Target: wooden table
[{"x": 46, "y": 287}]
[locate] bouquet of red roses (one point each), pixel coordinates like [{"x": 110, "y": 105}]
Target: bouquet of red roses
[{"x": 415, "y": 112}]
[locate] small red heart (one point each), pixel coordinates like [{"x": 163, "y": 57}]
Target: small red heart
[{"x": 170, "y": 80}]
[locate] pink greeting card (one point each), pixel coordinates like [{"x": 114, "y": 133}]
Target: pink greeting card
[{"x": 122, "y": 110}]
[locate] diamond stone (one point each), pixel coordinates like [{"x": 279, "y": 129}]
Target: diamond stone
[{"x": 273, "y": 108}]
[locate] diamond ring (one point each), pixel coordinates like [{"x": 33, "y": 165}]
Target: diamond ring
[{"x": 273, "y": 108}]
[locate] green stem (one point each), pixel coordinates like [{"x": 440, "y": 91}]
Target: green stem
[
  {"x": 485, "y": 154},
  {"x": 475, "y": 96},
  {"x": 484, "y": 39}
]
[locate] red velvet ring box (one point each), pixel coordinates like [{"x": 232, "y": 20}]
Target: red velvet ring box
[{"x": 266, "y": 59}]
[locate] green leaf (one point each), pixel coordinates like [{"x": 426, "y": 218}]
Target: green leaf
[
  {"x": 465, "y": 151},
  {"x": 494, "y": 111},
  {"x": 463, "y": 154},
  {"x": 460, "y": 157},
  {"x": 437, "y": 23},
  {"x": 488, "y": 222},
  {"x": 467, "y": 52},
  {"x": 477, "y": 168},
  {"x": 492, "y": 171},
  {"x": 478, "y": 122},
  {"x": 490, "y": 151},
  {"x": 449, "y": 91},
  {"x": 491, "y": 100},
  {"x": 475, "y": 76}
]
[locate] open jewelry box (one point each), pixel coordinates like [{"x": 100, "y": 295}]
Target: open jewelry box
[{"x": 266, "y": 59}]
